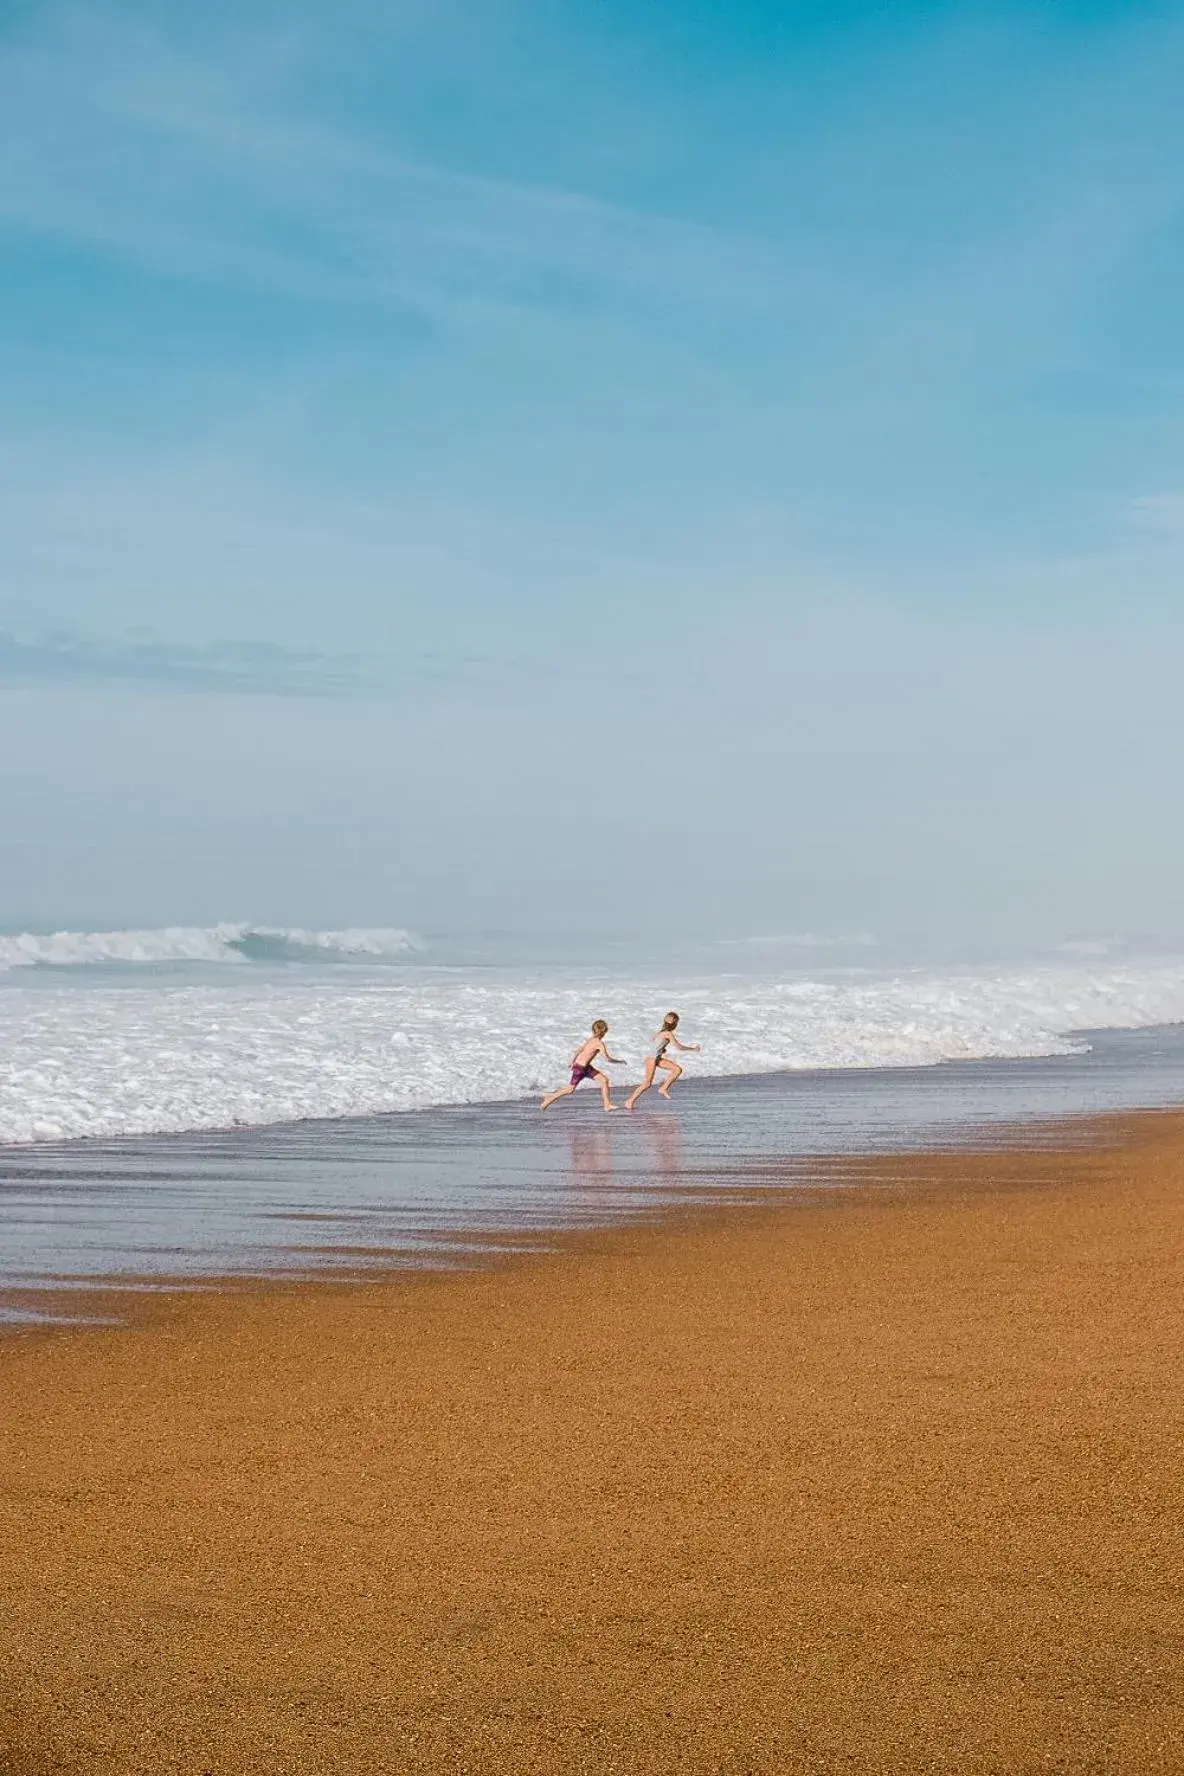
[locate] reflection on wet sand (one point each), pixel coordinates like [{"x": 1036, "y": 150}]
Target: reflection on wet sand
[{"x": 604, "y": 1159}]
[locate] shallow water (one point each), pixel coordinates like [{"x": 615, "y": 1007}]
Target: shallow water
[{"x": 422, "y": 1187}]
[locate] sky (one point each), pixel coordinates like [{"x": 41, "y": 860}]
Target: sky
[{"x": 621, "y": 467}]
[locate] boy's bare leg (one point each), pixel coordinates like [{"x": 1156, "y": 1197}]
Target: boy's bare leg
[
  {"x": 606, "y": 1089},
  {"x": 564, "y": 1091}
]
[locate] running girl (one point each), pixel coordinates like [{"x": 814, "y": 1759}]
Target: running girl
[
  {"x": 662, "y": 1040},
  {"x": 582, "y": 1068}
]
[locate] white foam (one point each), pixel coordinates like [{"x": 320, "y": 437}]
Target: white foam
[
  {"x": 192, "y": 943},
  {"x": 162, "y": 1052}
]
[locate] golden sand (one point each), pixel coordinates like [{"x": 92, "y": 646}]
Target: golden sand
[{"x": 884, "y": 1484}]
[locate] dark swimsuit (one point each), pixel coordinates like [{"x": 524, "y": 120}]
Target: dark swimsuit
[{"x": 579, "y": 1074}]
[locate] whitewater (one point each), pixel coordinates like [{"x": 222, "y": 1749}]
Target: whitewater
[
  {"x": 234, "y": 943},
  {"x": 108, "y": 1034}
]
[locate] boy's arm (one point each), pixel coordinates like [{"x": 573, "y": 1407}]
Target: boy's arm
[{"x": 613, "y": 1060}]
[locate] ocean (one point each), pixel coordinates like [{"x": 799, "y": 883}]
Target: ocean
[
  {"x": 122, "y": 1033},
  {"x": 191, "y": 1103}
]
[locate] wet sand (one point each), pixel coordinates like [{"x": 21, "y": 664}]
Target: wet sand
[{"x": 889, "y": 1481}]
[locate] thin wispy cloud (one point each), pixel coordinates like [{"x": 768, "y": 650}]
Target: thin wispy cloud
[
  {"x": 254, "y": 668},
  {"x": 62, "y": 658},
  {"x": 123, "y": 142},
  {"x": 1159, "y": 515},
  {"x": 216, "y": 165}
]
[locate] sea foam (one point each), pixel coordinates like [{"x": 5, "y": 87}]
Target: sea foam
[
  {"x": 197, "y": 943},
  {"x": 153, "y": 1051}
]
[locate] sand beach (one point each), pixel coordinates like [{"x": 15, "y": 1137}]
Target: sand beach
[{"x": 881, "y": 1481}]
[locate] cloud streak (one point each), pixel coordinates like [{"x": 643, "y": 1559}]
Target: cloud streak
[
  {"x": 120, "y": 141},
  {"x": 64, "y": 658}
]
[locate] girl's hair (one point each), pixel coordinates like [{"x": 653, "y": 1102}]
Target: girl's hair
[
  {"x": 669, "y": 1021},
  {"x": 600, "y": 1028}
]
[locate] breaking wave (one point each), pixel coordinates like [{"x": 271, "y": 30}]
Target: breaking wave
[{"x": 202, "y": 943}]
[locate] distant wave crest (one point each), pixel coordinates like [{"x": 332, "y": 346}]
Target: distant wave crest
[{"x": 234, "y": 943}]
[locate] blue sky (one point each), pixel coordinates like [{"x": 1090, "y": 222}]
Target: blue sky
[{"x": 506, "y": 390}]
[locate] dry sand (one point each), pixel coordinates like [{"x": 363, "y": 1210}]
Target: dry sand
[{"x": 886, "y": 1485}]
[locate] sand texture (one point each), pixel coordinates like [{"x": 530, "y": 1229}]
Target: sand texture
[{"x": 890, "y": 1484}]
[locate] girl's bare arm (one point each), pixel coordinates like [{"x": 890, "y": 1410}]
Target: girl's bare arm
[{"x": 687, "y": 1047}]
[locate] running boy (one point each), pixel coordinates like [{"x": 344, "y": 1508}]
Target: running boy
[{"x": 582, "y": 1068}]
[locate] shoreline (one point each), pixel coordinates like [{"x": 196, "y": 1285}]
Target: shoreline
[
  {"x": 1073, "y": 1045},
  {"x": 144, "y": 1301},
  {"x": 141, "y": 1300},
  {"x": 418, "y": 1188},
  {"x": 882, "y": 1479}
]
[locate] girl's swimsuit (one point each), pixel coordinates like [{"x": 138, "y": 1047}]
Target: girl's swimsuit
[{"x": 663, "y": 1043}]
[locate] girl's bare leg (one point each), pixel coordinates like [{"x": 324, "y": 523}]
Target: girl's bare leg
[
  {"x": 564, "y": 1091},
  {"x": 644, "y": 1086},
  {"x": 675, "y": 1072}
]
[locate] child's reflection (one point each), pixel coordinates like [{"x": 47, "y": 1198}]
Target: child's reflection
[
  {"x": 606, "y": 1158},
  {"x": 591, "y": 1157},
  {"x": 664, "y": 1140}
]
